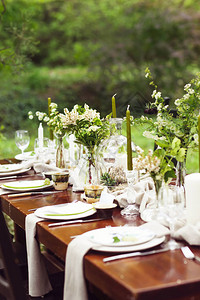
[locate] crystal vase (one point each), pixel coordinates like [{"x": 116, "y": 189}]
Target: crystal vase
[
  {"x": 92, "y": 166},
  {"x": 60, "y": 152},
  {"x": 153, "y": 210},
  {"x": 180, "y": 182}
]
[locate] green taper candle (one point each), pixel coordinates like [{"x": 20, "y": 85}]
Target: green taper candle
[
  {"x": 114, "y": 114},
  {"x": 49, "y": 112},
  {"x": 128, "y": 135}
]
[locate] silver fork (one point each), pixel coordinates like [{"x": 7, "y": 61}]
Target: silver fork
[{"x": 189, "y": 254}]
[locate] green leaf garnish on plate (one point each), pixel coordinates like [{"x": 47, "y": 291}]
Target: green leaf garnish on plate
[{"x": 116, "y": 239}]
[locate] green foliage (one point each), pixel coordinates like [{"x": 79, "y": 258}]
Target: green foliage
[
  {"x": 179, "y": 133},
  {"x": 106, "y": 179},
  {"x": 17, "y": 35}
]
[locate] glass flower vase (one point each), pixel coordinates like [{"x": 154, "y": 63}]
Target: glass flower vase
[
  {"x": 60, "y": 152},
  {"x": 153, "y": 210},
  {"x": 92, "y": 166},
  {"x": 180, "y": 182}
]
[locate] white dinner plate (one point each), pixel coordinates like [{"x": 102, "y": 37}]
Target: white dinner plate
[
  {"x": 7, "y": 168},
  {"x": 25, "y": 156},
  {"x": 67, "y": 211},
  {"x": 26, "y": 185},
  {"x": 150, "y": 244},
  {"x": 120, "y": 236},
  {"x": 14, "y": 172}
]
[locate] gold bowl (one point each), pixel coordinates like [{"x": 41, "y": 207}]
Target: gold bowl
[
  {"x": 93, "y": 192},
  {"x": 60, "y": 180}
]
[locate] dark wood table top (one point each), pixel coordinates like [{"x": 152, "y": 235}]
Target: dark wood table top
[{"x": 163, "y": 276}]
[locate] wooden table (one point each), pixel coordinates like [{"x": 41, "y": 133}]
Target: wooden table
[{"x": 161, "y": 276}]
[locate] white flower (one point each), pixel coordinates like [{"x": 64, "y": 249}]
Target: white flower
[
  {"x": 191, "y": 91},
  {"x": 154, "y": 93},
  {"x": 46, "y": 119},
  {"x": 139, "y": 150},
  {"x": 158, "y": 95},
  {"x": 149, "y": 135},
  {"x": 93, "y": 128},
  {"x": 150, "y": 151},
  {"x": 177, "y": 102},
  {"x": 143, "y": 118},
  {"x": 186, "y": 96},
  {"x": 187, "y": 86}
]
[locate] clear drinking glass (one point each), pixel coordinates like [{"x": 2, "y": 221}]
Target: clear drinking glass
[
  {"x": 46, "y": 143},
  {"x": 22, "y": 139}
]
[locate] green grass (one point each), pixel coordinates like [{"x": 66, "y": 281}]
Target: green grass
[{"x": 8, "y": 148}]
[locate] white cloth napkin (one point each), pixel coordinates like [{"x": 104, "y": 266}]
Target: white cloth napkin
[
  {"x": 75, "y": 286},
  {"x": 184, "y": 230},
  {"x": 38, "y": 280},
  {"x": 41, "y": 167},
  {"x": 76, "y": 180},
  {"x": 141, "y": 193},
  {"x": 174, "y": 217},
  {"x": 190, "y": 233}
]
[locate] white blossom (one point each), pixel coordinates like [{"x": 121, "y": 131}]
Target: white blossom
[
  {"x": 187, "y": 86},
  {"x": 158, "y": 95},
  {"x": 93, "y": 128}
]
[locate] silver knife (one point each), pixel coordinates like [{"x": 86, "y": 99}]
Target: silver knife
[
  {"x": 133, "y": 254},
  {"x": 15, "y": 176},
  {"x": 76, "y": 221},
  {"x": 32, "y": 193}
]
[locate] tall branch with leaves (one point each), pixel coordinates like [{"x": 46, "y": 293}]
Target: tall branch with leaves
[{"x": 165, "y": 127}]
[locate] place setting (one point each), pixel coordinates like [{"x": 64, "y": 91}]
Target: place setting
[
  {"x": 9, "y": 170},
  {"x": 122, "y": 239}
]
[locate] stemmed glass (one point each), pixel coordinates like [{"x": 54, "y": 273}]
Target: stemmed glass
[
  {"x": 22, "y": 139},
  {"x": 131, "y": 209},
  {"x": 174, "y": 211}
]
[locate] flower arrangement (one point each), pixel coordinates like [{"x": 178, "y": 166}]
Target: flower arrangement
[
  {"x": 89, "y": 130},
  {"x": 184, "y": 126},
  {"x": 159, "y": 163},
  {"x": 82, "y": 121}
]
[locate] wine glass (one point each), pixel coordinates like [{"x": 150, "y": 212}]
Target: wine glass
[
  {"x": 132, "y": 208},
  {"x": 174, "y": 212},
  {"x": 22, "y": 139}
]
